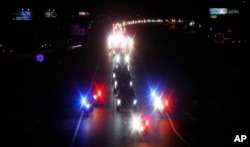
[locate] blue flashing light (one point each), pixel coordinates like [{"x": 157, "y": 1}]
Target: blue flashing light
[{"x": 40, "y": 58}]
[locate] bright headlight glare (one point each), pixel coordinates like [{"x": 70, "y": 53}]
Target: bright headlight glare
[
  {"x": 158, "y": 103},
  {"x": 131, "y": 42},
  {"x": 127, "y": 58},
  {"x": 118, "y": 102},
  {"x": 134, "y": 101},
  {"x": 136, "y": 123},
  {"x": 141, "y": 128},
  {"x": 117, "y": 58},
  {"x": 109, "y": 40}
]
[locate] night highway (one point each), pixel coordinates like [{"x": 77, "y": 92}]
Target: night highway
[{"x": 206, "y": 85}]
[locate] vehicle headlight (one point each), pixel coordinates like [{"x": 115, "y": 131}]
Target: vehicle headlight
[
  {"x": 158, "y": 103},
  {"x": 131, "y": 43},
  {"x": 118, "y": 102},
  {"x": 127, "y": 58},
  {"x": 117, "y": 58},
  {"x": 130, "y": 83},
  {"x": 136, "y": 123},
  {"x": 134, "y": 101}
]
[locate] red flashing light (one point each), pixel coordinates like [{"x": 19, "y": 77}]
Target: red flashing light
[
  {"x": 166, "y": 102},
  {"x": 99, "y": 93}
]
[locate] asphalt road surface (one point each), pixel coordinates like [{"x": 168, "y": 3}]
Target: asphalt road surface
[{"x": 40, "y": 101}]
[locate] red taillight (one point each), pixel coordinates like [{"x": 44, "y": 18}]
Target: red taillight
[{"x": 147, "y": 123}]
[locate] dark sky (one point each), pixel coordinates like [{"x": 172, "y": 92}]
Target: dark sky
[
  {"x": 145, "y": 7},
  {"x": 103, "y": 4}
]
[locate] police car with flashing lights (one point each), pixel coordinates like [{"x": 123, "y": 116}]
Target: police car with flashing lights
[
  {"x": 139, "y": 124},
  {"x": 87, "y": 105},
  {"x": 160, "y": 105}
]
